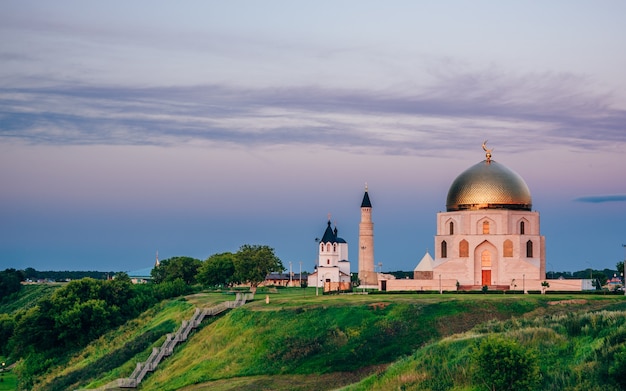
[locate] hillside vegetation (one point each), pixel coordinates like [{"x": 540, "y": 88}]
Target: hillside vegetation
[
  {"x": 299, "y": 342},
  {"x": 567, "y": 351}
]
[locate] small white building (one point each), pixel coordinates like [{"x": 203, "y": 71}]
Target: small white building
[{"x": 332, "y": 264}]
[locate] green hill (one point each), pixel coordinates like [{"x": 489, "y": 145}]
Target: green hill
[
  {"x": 28, "y": 297},
  {"x": 299, "y": 342},
  {"x": 576, "y": 350}
]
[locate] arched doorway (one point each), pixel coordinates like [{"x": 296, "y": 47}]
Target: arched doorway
[
  {"x": 485, "y": 264},
  {"x": 485, "y": 267}
]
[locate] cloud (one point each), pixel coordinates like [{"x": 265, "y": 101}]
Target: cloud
[
  {"x": 458, "y": 106},
  {"x": 602, "y": 198}
]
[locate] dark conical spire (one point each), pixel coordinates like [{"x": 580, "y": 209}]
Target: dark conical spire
[
  {"x": 366, "y": 199},
  {"x": 329, "y": 235}
]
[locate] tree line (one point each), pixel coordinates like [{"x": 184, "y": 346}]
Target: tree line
[
  {"x": 83, "y": 310},
  {"x": 250, "y": 265}
]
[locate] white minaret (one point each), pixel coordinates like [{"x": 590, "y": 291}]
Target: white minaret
[
  {"x": 367, "y": 274},
  {"x": 157, "y": 263}
]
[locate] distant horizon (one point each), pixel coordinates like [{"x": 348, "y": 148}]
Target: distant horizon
[{"x": 287, "y": 270}]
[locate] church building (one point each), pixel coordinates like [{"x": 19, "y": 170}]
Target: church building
[{"x": 333, "y": 268}]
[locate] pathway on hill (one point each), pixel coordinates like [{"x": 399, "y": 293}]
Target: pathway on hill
[{"x": 167, "y": 348}]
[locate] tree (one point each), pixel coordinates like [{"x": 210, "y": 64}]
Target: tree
[
  {"x": 502, "y": 364},
  {"x": 7, "y": 327},
  {"x": 184, "y": 268},
  {"x": 10, "y": 282},
  {"x": 620, "y": 268},
  {"x": 218, "y": 269},
  {"x": 254, "y": 262}
]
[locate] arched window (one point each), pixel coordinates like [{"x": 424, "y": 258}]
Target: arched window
[
  {"x": 328, "y": 247},
  {"x": 522, "y": 228},
  {"x": 334, "y": 247},
  {"x": 485, "y": 227},
  {"x": 451, "y": 228},
  {"x": 328, "y": 261},
  {"x": 444, "y": 249},
  {"x": 322, "y": 247},
  {"x": 485, "y": 259},
  {"x": 508, "y": 248},
  {"x": 529, "y": 249},
  {"x": 463, "y": 249}
]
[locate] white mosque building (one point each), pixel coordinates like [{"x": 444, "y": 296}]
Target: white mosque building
[{"x": 488, "y": 236}]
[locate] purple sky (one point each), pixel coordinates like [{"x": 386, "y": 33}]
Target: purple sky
[{"x": 194, "y": 128}]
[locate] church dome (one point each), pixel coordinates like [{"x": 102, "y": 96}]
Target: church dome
[{"x": 488, "y": 185}]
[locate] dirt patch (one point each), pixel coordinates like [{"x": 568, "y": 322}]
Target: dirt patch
[
  {"x": 378, "y": 306},
  {"x": 313, "y": 382},
  {"x": 572, "y": 301}
]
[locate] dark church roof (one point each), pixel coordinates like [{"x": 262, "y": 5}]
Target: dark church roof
[{"x": 330, "y": 236}]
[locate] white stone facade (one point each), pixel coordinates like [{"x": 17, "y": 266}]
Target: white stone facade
[
  {"x": 332, "y": 264},
  {"x": 494, "y": 247}
]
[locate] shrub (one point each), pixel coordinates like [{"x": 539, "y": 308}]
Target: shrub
[{"x": 501, "y": 364}]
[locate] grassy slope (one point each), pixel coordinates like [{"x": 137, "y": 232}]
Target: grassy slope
[
  {"x": 575, "y": 350},
  {"x": 340, "y": 339},
  {"x": 295, "y": 335},
  {"x": 27, "y": 297},
  {"x": 114, "y": 355}
]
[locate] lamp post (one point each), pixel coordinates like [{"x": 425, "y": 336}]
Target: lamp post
[
  {"x": 290, "y": 282},
  {"x": 317, "y": 278},
  {"x": 624, "y": 270},
  {"x": 590, "y": 273},
  {"x": 317, "y": 272}
]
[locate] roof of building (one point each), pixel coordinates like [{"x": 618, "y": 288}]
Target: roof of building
[
  {"x": 366, "y": 200},
  {"x": 284, "y": 276},
  {"x": 144, "y": 273},
  {"x": 488, "y": 185},
  {"x": 330, "y": 235},
  {"x": 425, "y": 265}
]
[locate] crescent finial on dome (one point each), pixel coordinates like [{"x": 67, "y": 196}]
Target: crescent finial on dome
[{"x": 488, "y": 154}]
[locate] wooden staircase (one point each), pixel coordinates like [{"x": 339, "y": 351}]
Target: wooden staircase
[{"x": 167, "y": 348}]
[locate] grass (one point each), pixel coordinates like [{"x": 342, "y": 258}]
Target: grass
[
  {"x": 115, "y": 354},
  {"x": 8, "y": 381},
  {"x": 303, "y": 334},
  {"x": 339, "y": 339},
  {"x": 28, "y": 296},
  {"x": 587, "y": 354}
]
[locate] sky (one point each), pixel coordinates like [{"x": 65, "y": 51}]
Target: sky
[{"x": 192, "y": 128}]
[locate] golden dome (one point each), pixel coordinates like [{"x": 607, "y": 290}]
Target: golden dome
[{"x": 488, "y": 185}]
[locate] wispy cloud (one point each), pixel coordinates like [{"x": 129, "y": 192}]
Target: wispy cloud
[
  {"x": 602, "y": 198},
  {"x": 552, "y": 107}
]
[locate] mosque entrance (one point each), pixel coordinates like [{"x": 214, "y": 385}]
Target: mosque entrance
[
  {"x": 485, "y": 263},
  {"x": 486, "y": 277}
]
